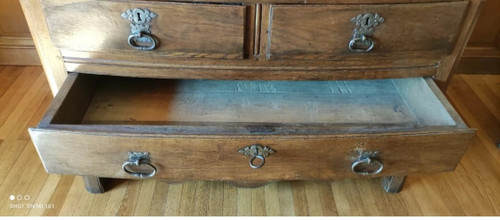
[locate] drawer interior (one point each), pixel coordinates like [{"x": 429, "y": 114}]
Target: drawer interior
[{"x": 212, "y": 106}]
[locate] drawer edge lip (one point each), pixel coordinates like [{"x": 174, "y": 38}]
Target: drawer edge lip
[
  {"x": 286, "y": 178},
  {"x": 441, "y": 2},
  {"x": 267, "y": 65},
  {"x": 446, "y": 103},
  {"x": 111, "y": 133}
]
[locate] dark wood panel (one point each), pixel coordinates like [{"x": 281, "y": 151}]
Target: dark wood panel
[
  {"x": 487, "y": 29},
  {"x": 478, "y": 65},
  {"x": 324, "y": 32},
  {"x": 482, "y": 54},
  {"x": 183, "y": 30}
]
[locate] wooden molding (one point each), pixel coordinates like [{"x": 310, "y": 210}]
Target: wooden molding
[
  {"x": 18, "y": 51},
  {"x": 479, "y": 60}
]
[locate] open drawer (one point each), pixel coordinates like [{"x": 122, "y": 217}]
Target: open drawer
[{"x": 249, "y": 130}]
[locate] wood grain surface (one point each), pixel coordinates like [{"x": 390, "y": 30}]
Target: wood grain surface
[
  {"x": 323, "y": 32},
  {"x": 249, "y": 61},
  {"x": 156, "y": 112},
  {"x": 183, "y": 30},
  {"x": 50, "y": 56},
  {"x": 472, "y": 189}
]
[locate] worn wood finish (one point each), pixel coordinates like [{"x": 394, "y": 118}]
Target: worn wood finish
[
  {"x": 349, "y": 2},
  {"x": 183, "y": 30},
  {"x": 253, "y": 39},
  {"x": 50, "y": 57},
  {"x": 142, "y": 101},
  {"x": 437, "y": 194},
  {"x": 334, "y": 72},
  {"x": 161, "y": 117},
  {"x": 323, "y": 32},
  {"x": 324, "y": 158},
  {"x": 122, "y": 65}
]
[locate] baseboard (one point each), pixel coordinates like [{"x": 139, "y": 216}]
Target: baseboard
[
  {"x": 479, "y": 60},
  {"x": 18, "y": 51}
]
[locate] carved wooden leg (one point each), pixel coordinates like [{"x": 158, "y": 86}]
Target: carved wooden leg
[
  {"x": 93, "y": 184},
  {"x": 393, "y": 184}
]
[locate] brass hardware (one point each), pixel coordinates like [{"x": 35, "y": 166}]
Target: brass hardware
[
  {"x": 361, "y": 44},
  {"x": 367, "y": 163},
  {"x": 138, "y": 159},
  {"x": 256, "y": 152},
  {"x": 134, "y": 38},
  {"x": 361, "y": 37},
  {"x": 140, "y": 29}
]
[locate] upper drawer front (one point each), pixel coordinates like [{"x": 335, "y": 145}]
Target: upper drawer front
[
  {"x": 324, "y": 32},
  {"x": 181, "y": 30}
]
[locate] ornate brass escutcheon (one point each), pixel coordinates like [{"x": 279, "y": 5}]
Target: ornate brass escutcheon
[
  {"x": 140, "y": 37},
  {"x": 256, "y": 152},
  {"x": 361, "y": 37}
]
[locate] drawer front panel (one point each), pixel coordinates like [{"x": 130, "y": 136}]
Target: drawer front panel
[
  {"x": 217, "y": 158},
  {"x": 324, "y": 32},
  {"x": 180, "y": 30}
]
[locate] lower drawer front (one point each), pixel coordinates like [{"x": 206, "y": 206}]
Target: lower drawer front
[
  {"x": 317, "y": 157},
  {"x": 199, "y": 130}
]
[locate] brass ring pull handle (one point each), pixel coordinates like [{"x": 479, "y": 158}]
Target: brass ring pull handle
[
  {"x": 139, "y": 159},
  {"x": 365, "y": 165},
  {"x": 361, "y": 44},
  {"x": 361, "y": 40},
  {"x": 140, "y": 23},
  {"x": 142, "y": 37},
  {"x": 259, "y": 165},
  {"x": 256, "y": 152}
]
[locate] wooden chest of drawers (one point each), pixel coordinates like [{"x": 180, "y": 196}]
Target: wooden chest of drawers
[{"x": 250, "y": 91}]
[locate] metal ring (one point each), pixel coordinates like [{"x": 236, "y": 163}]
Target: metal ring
[
  {"x": 369, "y": 161},
  {"x": 133, "y": 38},
  {"x": 262, "y": 159},
  {"x": 139, "y": 163},
  {"x": 363, "y": 39}
]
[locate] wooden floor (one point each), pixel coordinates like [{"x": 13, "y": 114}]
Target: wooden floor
[{"x": 473, "y": 189}]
